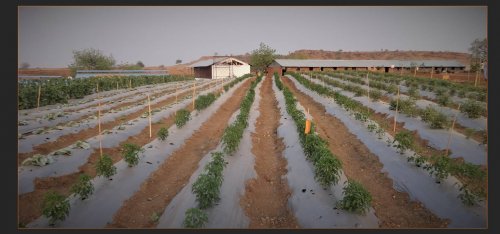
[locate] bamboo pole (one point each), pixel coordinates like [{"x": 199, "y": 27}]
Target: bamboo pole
[
  {"x": 477, "y": 75},
  {"x": 130, "y": 83},
  {"x": 194, "y": 91},
  {"x": 395, "y": 116},
  {"x": 39, "y": 95},
  {"x": 149, "y": 107},
  {"x": 99, "y": 120},
  {"x": 451, "y": 131}
]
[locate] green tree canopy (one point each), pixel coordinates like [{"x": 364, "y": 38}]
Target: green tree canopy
[
  {"x": 91, "y": 59},
  {"x": 262, "y": 57},
  {"x": 479, "y": 53},
  {"x": 140, "y": 63}
]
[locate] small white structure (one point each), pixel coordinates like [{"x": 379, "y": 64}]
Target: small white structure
[{"x": 219, "y": 68}]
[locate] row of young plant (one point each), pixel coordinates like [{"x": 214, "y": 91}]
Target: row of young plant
[
  {"x": 430, "y": 115},
  {"x": 206, "y": 188},
  {"x": 56, "y": 206},
  {"x": 440, "y": 166},
  {"x": 437, "y": 86},
  {"x": 472, "y": 109},
  {"x": 56, "y": 91},
  {"x": 327, "y": 166}
]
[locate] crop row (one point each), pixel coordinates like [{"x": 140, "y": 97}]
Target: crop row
[
  {"x": 327, "y": 167},
  {"x": 441, "y": 166},
  {"x": 206, "y": 188},
  {"x": 55, "y": 91}
]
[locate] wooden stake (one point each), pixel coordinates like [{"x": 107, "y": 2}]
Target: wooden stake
[
  {"x": 477, "y": 75},
  {"x": 432, "y": 72},
  {"x": 194, "y": 91},
  {"x": 39, "y": 95},
  {"x": 397, "y": 104},
  {"x": 149, "y": 107},
  {"x": 451, "y": 131},
  {"x": 176, "y": 93},
  {"x": 130, "y": 83},
  {"x": 415, "y": 74},
  {"x": 99, "y": 120},
  {"x": 368, "y": 82}
]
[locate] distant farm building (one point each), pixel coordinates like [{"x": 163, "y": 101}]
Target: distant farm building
[
  {"x": 220, "y": 68},
  {"x": 303, "y": 65},
  {"x": 94, "y": 73}
]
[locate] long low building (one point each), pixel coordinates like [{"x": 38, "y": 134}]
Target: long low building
[
  {"x": 94, "y": 73},
  {"x": 283, "y": 65},
  {"x": 220, "y": 68}
]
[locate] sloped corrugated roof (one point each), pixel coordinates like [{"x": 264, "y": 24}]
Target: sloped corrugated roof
[
  {"x": 366, "y": 63},
  {"x": 209, "y": 62}
]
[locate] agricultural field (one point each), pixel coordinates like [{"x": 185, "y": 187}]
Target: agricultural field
[{"x": 340, "y": 149}]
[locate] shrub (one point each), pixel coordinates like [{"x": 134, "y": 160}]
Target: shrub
[
  {"x": 104, "y": 167},
  {"x": 131, "y": 153},
  {"x": 461, "y": 93},
  {"x": 163, "y": 133},
  {"x": 84, "y": 187},
  {"x": 182, "y": 117},
  {"x": 404, "y": 141},
  {"x": 195, "y": 218},
  {"x": 55, "y": 207},
  {"x": 356, "y": 198},
  {"x": 473, "y": 109}
]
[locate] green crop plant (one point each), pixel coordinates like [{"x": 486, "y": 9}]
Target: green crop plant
[
  {"x": 375, "y": 95},
  {"x": 356, "y": 198},
  {"x": 163, "y": 133},
  {"x": 195, "y": 218},
  {"x": 436, "y": 119},
  {"x": 472, "y": 109},
  {"x": 130, "y": 153},
  {"x": 405, "y": 106},
  {"x": 83, "y": 187},
  {"x": 417, "y": 159},
  {"x": 413, "y": 92},
  {"x": 443, "y": 100},
  {"x": 104, "y": 166},
  {"x": 467, "y": 197},
  {"x": 372, "y": 127},
  {"x": 182, "y": 116},
  {"x": 203, "y": 101},
  {"x": 206, "y": 187},
  {"x": 55, "y": 207},
  {"x": 441, "y": 167},
  {"x": 404, "y": 140}
]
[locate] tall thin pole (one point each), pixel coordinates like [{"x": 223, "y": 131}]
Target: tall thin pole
[
  {"x": 99, "y": 119},
  {"x": 176, "y": 84},
  {"x": 39, "y": 95},
  {"x": 368, "y": 82},
  {"x": 432, "y": 72},
  {"x": 395, "y": 116},
  {"x": 149, "y": 107},
  {"x": 477, "y": 75},
  {"x": 451, "y": 131},
  {"x": 194, "y": 91}
]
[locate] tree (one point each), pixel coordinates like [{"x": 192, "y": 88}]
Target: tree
[
  {"x": 140, "y": 64},
  {"x": 25, "y": 65},
  {"x": 91, "y": 59},
  {"x": 479, "y": 53},
  {"x": 178, "y": 61},
  {"x": 262, "y": 57}
]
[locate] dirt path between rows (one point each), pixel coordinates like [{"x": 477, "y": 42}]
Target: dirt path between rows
[
  {"x": 173, "y": 174},
  {"x": 394, "y": 209},
  {"x": 69, "y": 139},
  {"x": 266, "y": 196}
]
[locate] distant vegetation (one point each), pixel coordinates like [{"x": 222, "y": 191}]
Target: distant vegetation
[{"x": 91, "y": 59}]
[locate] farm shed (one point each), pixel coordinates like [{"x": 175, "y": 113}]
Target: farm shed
[
  {"x": 220, "y": 68},
  {"x": 93, "y": 73},
  {"x": 283, "y": 65}
]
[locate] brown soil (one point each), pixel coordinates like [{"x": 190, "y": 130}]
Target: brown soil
[
  {"x": 29, "y": 203},
  {"x": 394, "y": 209},
  {"x": 265, "y": 199},
  {"x": 69, "y": 139},
  {"x": 174, "y": 173}
]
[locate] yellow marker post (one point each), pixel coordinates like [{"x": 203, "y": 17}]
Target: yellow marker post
[{"x": 451, "y": 131}]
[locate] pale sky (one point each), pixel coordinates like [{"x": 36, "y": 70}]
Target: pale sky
[{"x": 158, "y": 35}]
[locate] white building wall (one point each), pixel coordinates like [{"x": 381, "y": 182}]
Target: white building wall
[{"x": 224, "y": 71}]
